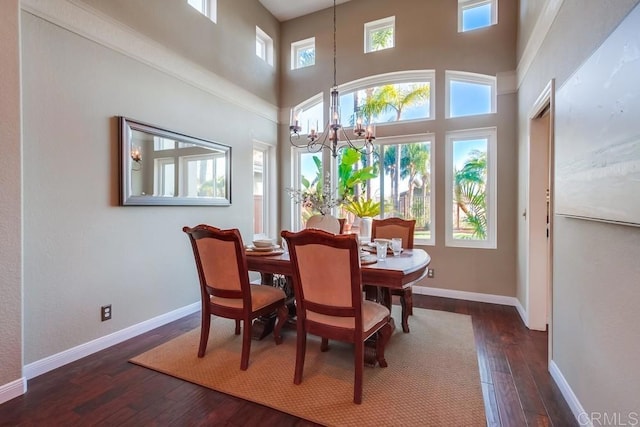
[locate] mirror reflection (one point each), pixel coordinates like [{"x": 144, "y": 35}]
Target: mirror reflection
[{"x": 161, "y": 167}]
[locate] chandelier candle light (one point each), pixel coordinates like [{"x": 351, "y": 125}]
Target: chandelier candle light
[{"x": 330, "y": 136}]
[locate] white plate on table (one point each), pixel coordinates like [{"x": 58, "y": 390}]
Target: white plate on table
[{"x": 267, "y": 249}]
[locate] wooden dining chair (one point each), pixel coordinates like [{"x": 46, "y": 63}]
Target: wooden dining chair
[
  {"x": 397, "y": 227},
  {"x": 225, "y": 289},
  {"x": 329, "y": 301}
]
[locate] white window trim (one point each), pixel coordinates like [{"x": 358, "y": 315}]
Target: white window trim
[
  {"x": 409, "y": 76},
  {"x": 370, "y": 27},
  {"x": 269, "y": 196},
  {"x": 210, "y": 10},
  {"x": 467, "y": 77},
  {"x": 265, "y": 39},
  {"x": 298, "y": 46},
  {"x": 431, "y": 139},
  {"x": 491, "y": 187},
  {"x": 469, "y": 4}
]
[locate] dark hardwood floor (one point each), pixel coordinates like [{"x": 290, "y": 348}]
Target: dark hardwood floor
[{"x": 104, "y": 389}]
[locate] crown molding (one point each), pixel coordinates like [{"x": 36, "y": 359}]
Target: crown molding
[
  {"x": 539, "y": 33},
  {"x": 94, "y": 25}
]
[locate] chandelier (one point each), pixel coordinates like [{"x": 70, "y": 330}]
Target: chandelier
[{"x": 330, "y": 137}]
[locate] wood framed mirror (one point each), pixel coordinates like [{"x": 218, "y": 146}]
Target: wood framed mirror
[{"x": 162, "y": 167}]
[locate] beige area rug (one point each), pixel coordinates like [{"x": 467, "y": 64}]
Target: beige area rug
[{"x": 432, "y": 378}]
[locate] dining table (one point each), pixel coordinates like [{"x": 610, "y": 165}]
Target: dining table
[{"x": 393, "y": 272}]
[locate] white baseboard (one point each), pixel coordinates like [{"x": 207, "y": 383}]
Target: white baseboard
[
  {"x": 47, "y": 364},
  {"x": 522, "y": 312},
  {"x": 574, "y": 404},
  {"x": 13, "y": 389},
  {"x": 464, "y": 295}
]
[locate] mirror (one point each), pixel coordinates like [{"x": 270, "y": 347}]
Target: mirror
[{"x": 160, "y": 167}]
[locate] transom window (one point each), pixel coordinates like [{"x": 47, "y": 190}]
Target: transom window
[
  {"x": 474, "y": 14},
  {"x": 206, "y": 7},
  {"x": 470, "y": 214},
  {"x": 469, "y": 94},
  {"x": 303, "y": 53},
  {"x": 380, "y": 34},
  {"x": 264, "y": 46}
]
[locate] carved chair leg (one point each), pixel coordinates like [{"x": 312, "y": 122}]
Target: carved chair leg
[
  {"x": 246, "y": 345},
  {"x": 237, "y": 327},
  {"x": 283, "y": 314},
  {"x": 205, "y": 324},
  {"x": 324, "y": 346},
  {"x": 301, "y": 348},
  {"x": 359, "y": 371}
]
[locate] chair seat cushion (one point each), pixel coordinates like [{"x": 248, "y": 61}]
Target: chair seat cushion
[
  {"x": 261, "y": 296},
  {"x": 372, "y": 313}
]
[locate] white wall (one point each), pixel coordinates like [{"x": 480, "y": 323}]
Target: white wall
[
  {"x": 10, "y": 201},
  {"x": 82, "y": 250},
  {"x": 596, "y": 270}
]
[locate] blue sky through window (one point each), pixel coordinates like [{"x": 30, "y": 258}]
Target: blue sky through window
[
  {"x": 476, "y": 17},
  {"x": 468, "y": 99},
  {"x": 463, "y": 148}
]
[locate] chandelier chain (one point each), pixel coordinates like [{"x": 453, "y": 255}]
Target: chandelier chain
[{"x": 335, "y": 81}]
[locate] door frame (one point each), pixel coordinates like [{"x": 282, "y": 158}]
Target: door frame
[{"x": 539, "y": 303}]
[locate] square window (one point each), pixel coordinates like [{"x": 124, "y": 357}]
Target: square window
[
  {"x": 380, "y": 34},
  {"x": 469, "y": 94},
  {"x": 474, "y": 14},
  {"x": 303, "y": 53}
]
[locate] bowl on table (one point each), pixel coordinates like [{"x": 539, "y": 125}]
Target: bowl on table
[{"x": 263, "y": 243}]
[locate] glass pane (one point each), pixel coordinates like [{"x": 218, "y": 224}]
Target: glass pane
[
  {"x": 476, "y": 17},
  {"x": 258, "y": 192},
  {"x": 261, "y": 48},
  {"x": 311, "y": 118},
  {"x": 167, "y": 179},
  {"x": 466, "y": 99},
  {"x": 388, "y": 103},
  {"x": 198, "y": 5},
  {"x": 310, "y": 177},
  {"x": 407, "y": 193},
  {"x": 305, "y": 57},
  {"x": 381, "y": 38},
  {"x": 469, "y": 189}
]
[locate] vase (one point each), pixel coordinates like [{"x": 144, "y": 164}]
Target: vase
[{"x": 365, "y": 228}]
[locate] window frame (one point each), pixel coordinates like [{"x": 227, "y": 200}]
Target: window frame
[
  {"x": 472, "y": 78},
  {"x": 412, "y": 139},
  {"x": 490, "y": 134},
  {"x": 464, "y": 5},
  {"x": 263, "y": 39},
  {"x": 379, "y": 24},
  {"x": 269, "y": 199},
  {"x": 210, "y": 9},
  {"x": 398, "y": 77},
  {"x": 299, "y": 46}
]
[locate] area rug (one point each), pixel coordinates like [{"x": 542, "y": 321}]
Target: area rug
[{"x": 432, "y": 378}]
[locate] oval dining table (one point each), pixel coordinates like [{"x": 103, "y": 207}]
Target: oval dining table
[{"x": 394, "y": 272}]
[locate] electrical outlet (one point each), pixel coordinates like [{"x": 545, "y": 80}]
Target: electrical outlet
[
  {"x": 105, "y": 312},
  {"x": 431, "y": 273}
]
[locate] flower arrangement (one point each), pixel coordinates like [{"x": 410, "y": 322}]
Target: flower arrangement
[{"x": 317, "y": 197}]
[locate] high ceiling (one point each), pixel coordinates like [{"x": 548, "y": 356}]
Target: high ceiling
[{"x": 284, "y": 10}]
